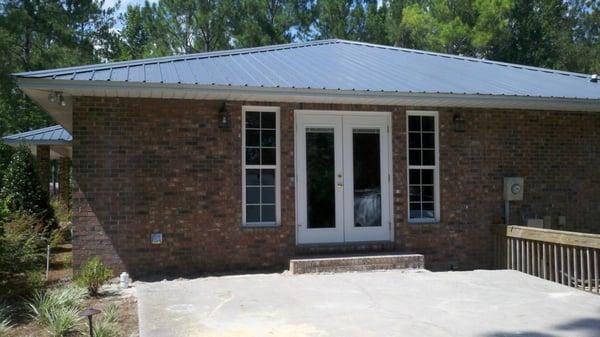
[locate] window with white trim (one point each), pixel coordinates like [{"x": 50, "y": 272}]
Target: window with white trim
[
  {"x": 260, "y": 151},
  {"x": 423, "y": 170}
]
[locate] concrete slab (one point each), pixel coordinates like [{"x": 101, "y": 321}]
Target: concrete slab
[{"x": 388, "y": 303}]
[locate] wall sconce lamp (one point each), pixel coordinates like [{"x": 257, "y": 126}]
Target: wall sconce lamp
[
  {"x": 57, "y": 97},
  {"x": 224, "y": 117},
  {"x": 458, "y": 122}
]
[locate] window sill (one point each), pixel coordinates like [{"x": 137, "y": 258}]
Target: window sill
[
  {"x": 424, "y": 222},
  {"x": 259, "y": 227}
]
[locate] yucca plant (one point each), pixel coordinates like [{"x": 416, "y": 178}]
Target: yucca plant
[
  {"x": 62, "y": 321},
  {"x": 5, "y": 327},
  {"x": 5, "y": 322},
  {"x": 110, "y": 313},
  {"x": 70, "y": 296},
  {"x": 44, "y": 305},
  {"x": 103, "y": 328}
]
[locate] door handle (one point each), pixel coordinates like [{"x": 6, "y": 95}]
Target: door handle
[{"x": 340, "y": 185}]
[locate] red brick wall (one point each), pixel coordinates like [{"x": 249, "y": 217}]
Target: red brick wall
[{"x": 145, "y": 165}]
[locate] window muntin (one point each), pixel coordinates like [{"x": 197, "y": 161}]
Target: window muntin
[
  {"x": 261, "y": 166},
  {"x": 423, "y": 167}
]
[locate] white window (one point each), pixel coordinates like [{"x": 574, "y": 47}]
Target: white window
[
  {"x": 260, "y": 158},
  {"x": 423, "y": 167}
]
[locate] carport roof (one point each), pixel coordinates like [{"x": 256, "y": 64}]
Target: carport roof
[
  {"x": 341, "y": 66},
  {"x": 52, "y": 135}
]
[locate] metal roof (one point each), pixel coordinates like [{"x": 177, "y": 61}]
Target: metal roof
[
  {"x": 339, "y": 65},
  {"x": 45, "y": 136}
]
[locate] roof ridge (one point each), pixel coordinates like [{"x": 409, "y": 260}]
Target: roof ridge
[
  {"x": 231, "y": 52},
  {"x": 176, "y": 58},
  {"x": 466, "y": 58}
]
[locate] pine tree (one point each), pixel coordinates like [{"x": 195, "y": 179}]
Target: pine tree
[{"x": 22, "y": 190}]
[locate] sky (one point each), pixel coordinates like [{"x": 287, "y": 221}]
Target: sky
[{"x": 124, "y": 3}]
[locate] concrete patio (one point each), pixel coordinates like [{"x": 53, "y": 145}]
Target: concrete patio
[{"x": 390, "y": 303}]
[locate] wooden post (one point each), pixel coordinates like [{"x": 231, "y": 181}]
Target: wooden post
[
  {"x": 508, "y": 253},
  {"x": 562, "y": 265},
  {"x": 568, "y": 267},
  {"x": 556, "y": 264},
  {"x": 512, "y": 254},
  {"x": 575, "y": 267},
  {"x": 518, "y": 242},
  {"x": 523, "y": 261},
  {"x": 533, "y": 259},
  {"x": 596, "y": 269},
  {"x": 539, "y": 259},
  {"x": 582, "y": 269},
  {"x": 544, "y": 261},
  {"x": 589, "y": 269},
  {"x": 528, "y": 257}
]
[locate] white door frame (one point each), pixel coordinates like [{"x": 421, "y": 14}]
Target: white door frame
[
  {"x": 318, "y": 235},
  {"x": 379, "y": 233},
  {"x": 355, "y": 234}
]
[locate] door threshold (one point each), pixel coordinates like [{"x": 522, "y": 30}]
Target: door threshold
[
  {"x": 345, "y": 244},
  {"x": 364, "y": 247}
]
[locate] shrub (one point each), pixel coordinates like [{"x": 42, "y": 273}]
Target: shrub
[
  {"x": 22, "y": 190},
  {"x": 93, "y": 275},
  {"x": 106, "y": 325},
  {"x": 5, "y": 322},
  {"x": 62, "y": 321},
  {"x": 104, "y": 328},
  {"x": 69, "y": 296},
  {"x": 42, "y": 305},
  {"x": 61, "y": 211},
  {"x": 21, "y": 256},
  {"x": 61, "y": 235},
  {"x": 6, "y": 153},
  {"x": 111, "y": 313}
]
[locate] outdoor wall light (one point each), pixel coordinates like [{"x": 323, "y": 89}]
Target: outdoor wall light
[
  {"x": 224, "y": 117},
  {"x": 458, "y": 122},
  {"x": 54, "y": 97}
]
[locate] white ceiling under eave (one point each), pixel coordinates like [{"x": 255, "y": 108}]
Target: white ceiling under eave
[{"x": 38, "y": 90}]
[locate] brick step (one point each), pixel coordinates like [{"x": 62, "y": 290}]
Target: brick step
[
  {"x": 335, "y": 264},
  {"x": 348, "y": 249}
]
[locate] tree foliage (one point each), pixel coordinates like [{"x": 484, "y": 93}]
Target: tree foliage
[
  {"x": 22, "y": 191},
  {"x": 43, "y": 34}
]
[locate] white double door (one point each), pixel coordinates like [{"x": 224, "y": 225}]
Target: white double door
[{"x": 343, "y": 181}]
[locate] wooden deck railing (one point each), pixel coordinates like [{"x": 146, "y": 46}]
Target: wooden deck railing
[{"x": 568, "y": 258}]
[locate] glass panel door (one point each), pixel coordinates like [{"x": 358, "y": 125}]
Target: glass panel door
[
  {"x": 320, "y": 182},
  {"x": 366, "y": 186},
  {"x": 320, "y": 177},
  {"x": 342, "y": 166},
  {"x": 367, "y": 177}
]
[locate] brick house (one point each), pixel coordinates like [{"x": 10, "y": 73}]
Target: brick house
[{"x": 240, "y": 159}]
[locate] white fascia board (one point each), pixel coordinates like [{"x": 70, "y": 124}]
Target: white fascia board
[{"x": 300, "y": 95}]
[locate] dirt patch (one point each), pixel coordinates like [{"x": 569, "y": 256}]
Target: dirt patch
[{"x": 61, "y": 264}]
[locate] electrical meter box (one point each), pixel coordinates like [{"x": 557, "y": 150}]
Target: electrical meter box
[{"x": 513, "y": 188}]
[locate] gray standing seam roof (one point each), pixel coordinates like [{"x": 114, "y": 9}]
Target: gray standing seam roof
[
  {"x": 51, "y": 135},
  {"x": 339, "y": 65}
]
